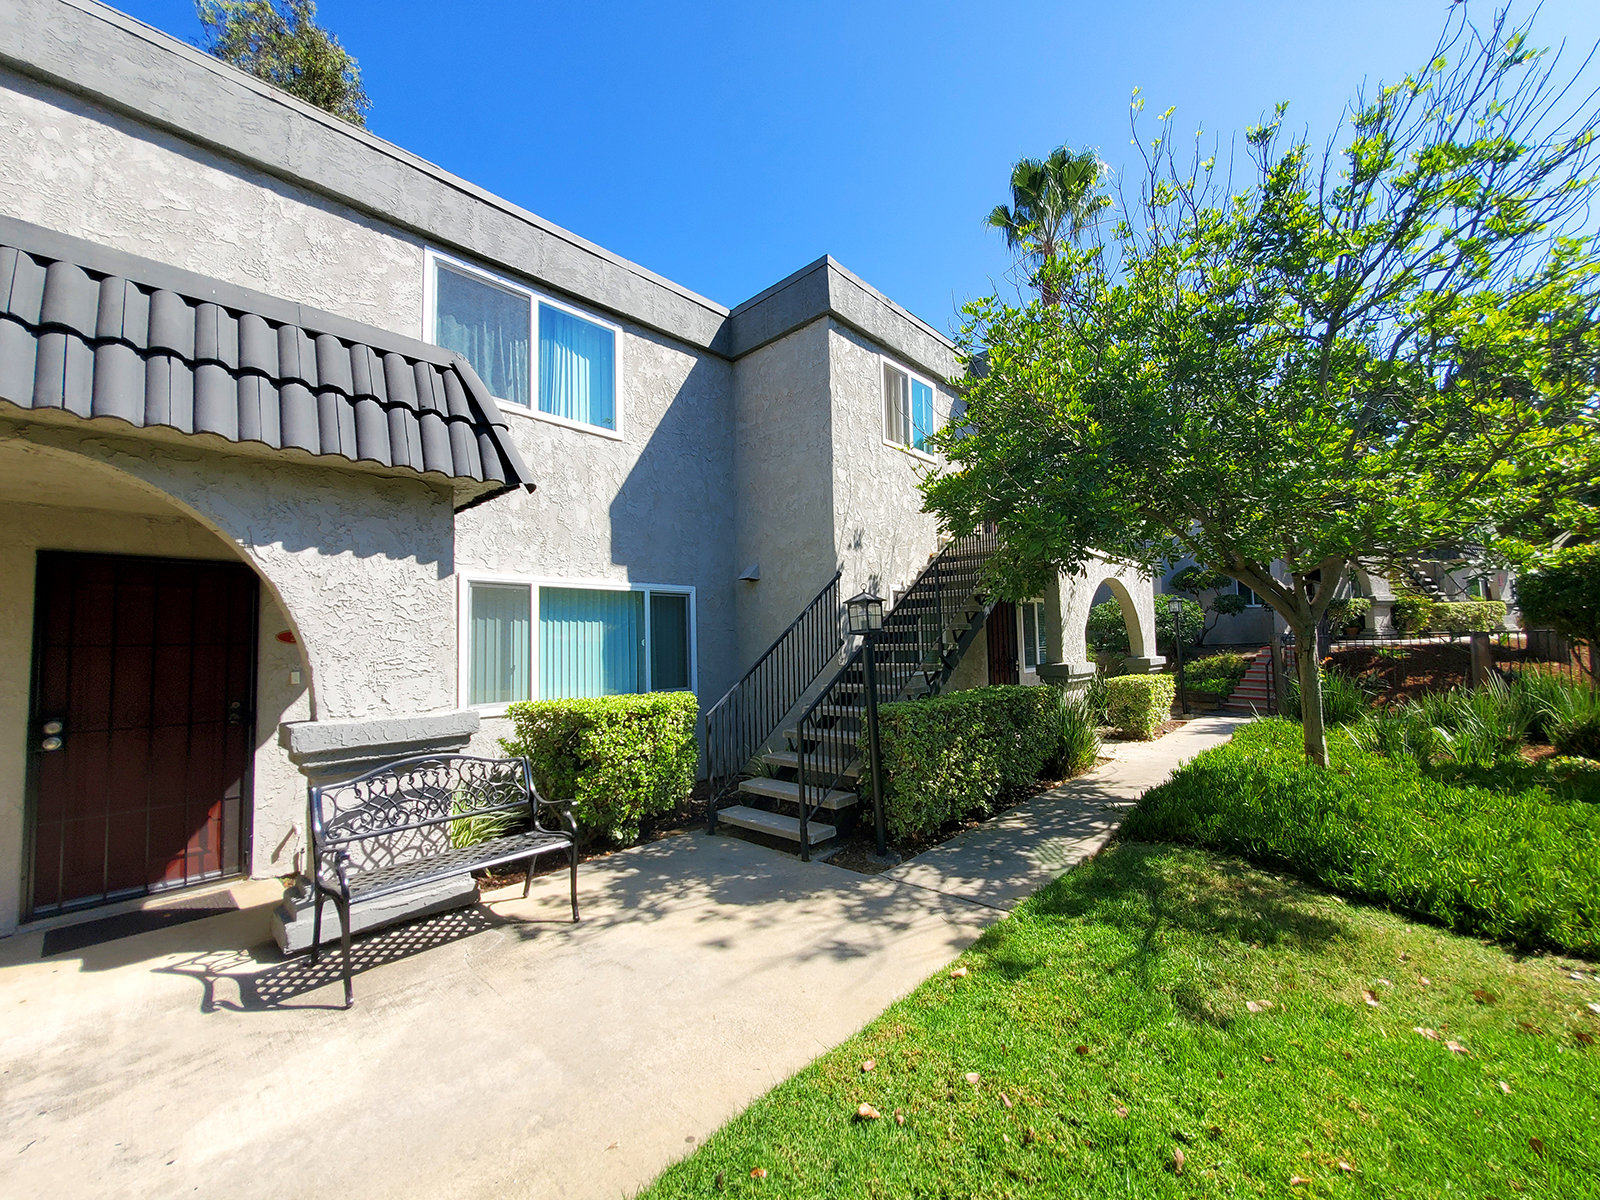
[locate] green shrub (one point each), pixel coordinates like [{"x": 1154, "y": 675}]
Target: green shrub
[
  {"x": 1106, "y": 630},
  {"x": 1464, "y": 725},
  {"x": 1411, "y": 614},
  {"x": 1517, "y": 864},
  {"x": 1138, "y": 705},
  {"x": 1467, "y": 616},
  {"x": 1348, "y": 610},
  {"x": 1572, "y": 717},
  {"x": 953, "y": 755},
  {"x": 621, "y": 758},
  {"x": 1094, "y": 696},
  {"x": 1216, "y": 674},
  {"x": 1344, "y": 699},
  {"x": 1564, "y": 594},
  {"x": 1077, "y": 745}
]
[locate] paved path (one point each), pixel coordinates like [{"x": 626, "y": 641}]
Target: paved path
[{"x": 498, "y": 1050}]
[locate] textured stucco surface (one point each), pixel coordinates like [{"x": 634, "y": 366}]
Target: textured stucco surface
[
  {"x": 70, "y": 166},
  {"x": 1134, "y": 592}
]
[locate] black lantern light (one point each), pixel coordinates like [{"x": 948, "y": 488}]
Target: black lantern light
[
  {"x": 866, "y": 613},
  {"x": 1175, "y": 607}
]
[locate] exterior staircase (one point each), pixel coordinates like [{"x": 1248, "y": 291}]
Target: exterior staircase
[
  {"x": 1255, "y": 692},
  {"x": 810, "y": 791}
]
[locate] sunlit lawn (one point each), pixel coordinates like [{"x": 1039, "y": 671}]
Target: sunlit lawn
[{"x": 1109, "y": 1025}]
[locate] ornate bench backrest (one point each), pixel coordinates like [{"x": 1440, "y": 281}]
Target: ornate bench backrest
[{"x": 403, "y": 811}]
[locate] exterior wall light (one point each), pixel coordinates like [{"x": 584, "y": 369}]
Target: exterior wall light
[{"x": 866, "y": 613}]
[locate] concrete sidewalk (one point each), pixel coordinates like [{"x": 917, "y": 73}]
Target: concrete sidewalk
[{"x": 499, "y": 1047}]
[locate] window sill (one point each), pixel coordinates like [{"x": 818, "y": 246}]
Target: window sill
[
  {"x": 534, "y": 414},
  {"x": 491, "y": 710},
  {"x": 911, "y": 451}
]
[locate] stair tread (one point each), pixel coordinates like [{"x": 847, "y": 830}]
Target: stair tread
[
  {"x": 775, "y": 824},
  {"x": 791, "y": 760},
  {"x": 847, "y": 737},
  {"x": 783, "y": 789}
]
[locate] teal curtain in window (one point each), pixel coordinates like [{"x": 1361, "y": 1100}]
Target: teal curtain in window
[
  {"x": 1030, "y": 636},
  {"x": 577, "y": 369},
  {"x": 591, "y": 643},
  {"x": 921, "y": 414},
  {"x": 669, "y": 642},
  {"x": 488, "y": 325},
  {"x": 497, "y": 670}
]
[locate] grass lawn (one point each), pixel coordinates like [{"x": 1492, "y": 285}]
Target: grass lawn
[{"x": 1109, "y": 1025}]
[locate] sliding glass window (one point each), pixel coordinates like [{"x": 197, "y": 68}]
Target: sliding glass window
[
  {"x": 499, "y": 623},
  {"x": 490, "y": 326}
]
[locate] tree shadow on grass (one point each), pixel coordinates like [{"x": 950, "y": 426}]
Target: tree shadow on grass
[{"x": 1138, "y": 891}]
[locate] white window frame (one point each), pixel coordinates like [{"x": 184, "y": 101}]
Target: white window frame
[
  {"x": 914, "y": 377},
  {"x": 464, "y": 582},
  {"x": 433, "y": 259}
]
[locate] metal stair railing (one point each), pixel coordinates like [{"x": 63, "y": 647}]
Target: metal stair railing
[
  {"x": 751, "y": 710},
  {"x": 924, "y": 636}
]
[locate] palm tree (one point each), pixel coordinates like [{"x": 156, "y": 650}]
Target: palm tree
[{"x": 1053, "y": 200}]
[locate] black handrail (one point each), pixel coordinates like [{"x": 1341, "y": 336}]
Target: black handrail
[
  {"x": 751, "y": 710},
  {"x": 924, "y": 635}
]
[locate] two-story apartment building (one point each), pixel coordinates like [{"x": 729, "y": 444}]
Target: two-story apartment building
[{"x": 312, "y": 453}]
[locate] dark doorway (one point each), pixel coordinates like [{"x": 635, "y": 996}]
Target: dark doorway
[
  {"x": 141, "y": 729},
  {"x": 1002, "y": 634}
]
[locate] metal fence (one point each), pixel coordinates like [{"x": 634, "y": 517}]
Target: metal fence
[{"x": 1508, "y": 650}]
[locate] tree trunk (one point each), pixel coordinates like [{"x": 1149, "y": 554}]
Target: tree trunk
[{"x": 1305, "y": 648}]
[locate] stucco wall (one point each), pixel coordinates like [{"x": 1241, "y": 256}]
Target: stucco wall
[
  {"x": 70, "y": 166},
  {"x": 782, "y": 484},
  {"x": 656, "y": 506},
  {"x": 1066, "y": 641}
]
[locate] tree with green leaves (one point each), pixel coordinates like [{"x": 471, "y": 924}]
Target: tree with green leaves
[
  {"x": 1196, "y": 581},
  {"x": 1054, "y": 201},
  {"x": 1317, "y": 359},
  {"x": 1563, "y": 593},
  {"x": 279, "y": 41}
]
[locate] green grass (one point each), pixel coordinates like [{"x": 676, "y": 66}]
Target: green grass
[
  {"x": 1510, "y": 851},
  {"x": 1146, "y": 958}
]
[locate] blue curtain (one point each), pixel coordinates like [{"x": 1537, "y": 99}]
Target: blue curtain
[
  {"x": 577, "y": 369},
  {"x": 497, "y": 671},
  {"x": 921, "y": 414},
  {"x": 669, "y": 642},
  {"x": 490, "y": 327},
  {"x": 591, "y": 643},
  {"x": 1030, "y": 636}
]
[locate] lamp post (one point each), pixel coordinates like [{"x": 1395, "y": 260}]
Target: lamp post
[
  {"x": 1175, "y": 607},
  {"x": 866, "y": 618}
]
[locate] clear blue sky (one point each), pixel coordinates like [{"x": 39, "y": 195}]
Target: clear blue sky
[{"x": 725, "y": 145}]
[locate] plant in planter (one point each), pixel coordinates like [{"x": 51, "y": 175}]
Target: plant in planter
[{"x": 1348, "y": 613}]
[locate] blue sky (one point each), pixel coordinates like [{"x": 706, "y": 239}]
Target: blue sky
[{"x": 726, "y": 145}]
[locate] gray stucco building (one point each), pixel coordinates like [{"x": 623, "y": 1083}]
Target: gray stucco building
[{"x": 348, "y": 454}]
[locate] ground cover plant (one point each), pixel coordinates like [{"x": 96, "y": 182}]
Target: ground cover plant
[
  {"x": 1165, "y": 1022},
  {"x": 1512, "y": 854}
]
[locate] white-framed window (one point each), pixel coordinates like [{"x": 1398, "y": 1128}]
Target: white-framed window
[
  {"x": 908, "y": 415},
  {"x": 1034, "y": 646},
  {"x": 1251, "y": 600},
  {"x": 536, "y": 355},
  {"x": 546, "y": 639}
]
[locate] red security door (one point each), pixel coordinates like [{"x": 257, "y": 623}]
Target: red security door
[{"x": 142, "y": 725}]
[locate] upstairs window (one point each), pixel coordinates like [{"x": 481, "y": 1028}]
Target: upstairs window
[
  {"x": 573, "y": 375},
  {"x": 1250, "y": 598},
  {"x": 489, "y": 326},
  {"x": 907, "y": 409},
  {"x": 1034, "y": 649}
]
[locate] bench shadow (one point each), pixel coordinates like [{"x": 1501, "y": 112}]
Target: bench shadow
[{"x": 284, "y": 980}]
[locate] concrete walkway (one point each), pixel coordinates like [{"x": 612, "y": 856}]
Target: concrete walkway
[{"x": 499, "y": 1049}]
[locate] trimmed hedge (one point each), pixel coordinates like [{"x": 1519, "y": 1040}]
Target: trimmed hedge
[
  {"x": 1138, "y": 705},
  {"x": 1503, "y": 860},
  {"x": 951, "y": 755},
  {"x": 621, "y": 758},
  {"x": 1410, "y": 613},
  {"x": 1216, "y": 674},
  {"x": 1467, "y": 616}
]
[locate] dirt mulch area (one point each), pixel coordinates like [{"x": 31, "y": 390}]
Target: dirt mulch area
[{"x": 1402, "y": 672}]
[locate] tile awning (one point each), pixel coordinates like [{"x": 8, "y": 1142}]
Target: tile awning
[{"x": 104, "y": 335}]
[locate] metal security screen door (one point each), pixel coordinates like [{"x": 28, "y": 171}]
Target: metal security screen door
[
  {"x": 1002, "y": 638},
  {"x": 141, "y": 730}
]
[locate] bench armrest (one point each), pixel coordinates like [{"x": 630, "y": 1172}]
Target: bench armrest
[{"x": 564, "y": 814}]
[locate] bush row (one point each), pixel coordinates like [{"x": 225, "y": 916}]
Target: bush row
[
  {"x": 621, "y": 758},
  {"x": 1138, "y": 705},
  {"x": 1416, "y": 613},
  {"x": 1514, "y": 863},
  {"x": 951, "y": 755}
]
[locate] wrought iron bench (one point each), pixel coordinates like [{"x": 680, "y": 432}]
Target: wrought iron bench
[{"x": 398, "y": 827}]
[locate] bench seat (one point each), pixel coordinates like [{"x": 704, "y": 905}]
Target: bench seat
[{"x": 373, "y": 882}]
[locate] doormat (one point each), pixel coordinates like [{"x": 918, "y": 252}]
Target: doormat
[{"x": 108, "y": 929}]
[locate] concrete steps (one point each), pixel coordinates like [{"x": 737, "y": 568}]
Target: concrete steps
[
  {"x": 775, "y": 824},
  {"x": 789, "y": 760},
  {"x": 787, "y": 791}
]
